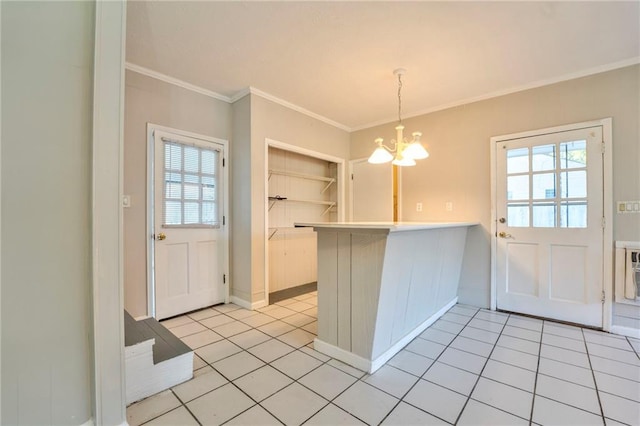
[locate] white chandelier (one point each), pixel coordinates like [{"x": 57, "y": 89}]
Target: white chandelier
[{"x": 405, "y": 152}]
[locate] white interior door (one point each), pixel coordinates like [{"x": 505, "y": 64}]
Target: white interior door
[
  {"x": 189, "y": 243},
  {"x": 371, "y": 192},
  {"x": 549, "y": 196}
]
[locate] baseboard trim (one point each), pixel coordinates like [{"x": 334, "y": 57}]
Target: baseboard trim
[
  {"x": 248, "y": 305},
  {"x": 625, "y": 331},
  {"x": 370, "y": 366}
]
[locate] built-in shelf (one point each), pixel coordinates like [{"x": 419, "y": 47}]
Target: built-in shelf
[
  {"x": 330, "y": 181},
  {"x": 289, "y": 230},
  {"x": 330, "y": 204}
]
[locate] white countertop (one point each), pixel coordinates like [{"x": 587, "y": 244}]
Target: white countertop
[{"x": 390, "y": 226}]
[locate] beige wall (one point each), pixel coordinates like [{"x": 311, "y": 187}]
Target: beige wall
[
  {"x": 273, "y": 121},
  {"x": 47, "y": 82},
  {"x": 458, "y": 169},
  {"x": 148, "y": 100}
]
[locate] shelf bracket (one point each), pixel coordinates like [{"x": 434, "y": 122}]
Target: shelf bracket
[
  {"x": 328, "y": 208},
  {"x": 328, "y": 185}
]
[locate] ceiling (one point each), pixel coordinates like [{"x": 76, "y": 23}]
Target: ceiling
[{"x": 336, "y": 59}]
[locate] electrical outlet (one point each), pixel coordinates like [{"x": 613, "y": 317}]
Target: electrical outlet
[
  {"x": 418, "y": 207},
  {"x": 126, "y": 201},
  {"x": 448, "y": 206}
]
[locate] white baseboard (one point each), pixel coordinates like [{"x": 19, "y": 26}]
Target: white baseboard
[
  {"x": 142, "y": 317},
  {"x": 248, "y": 305},
  {"x": 625, "y": 331},
  {"x": 370, "y": 366},
  {"x": 397, "y": 347}
]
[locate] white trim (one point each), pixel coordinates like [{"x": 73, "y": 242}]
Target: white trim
[
  {"x": 540, "y": 83},
  {"x": 247, "y": 305},
  {"x": 89, "y": 422},
  {"x": 607, "y": 244},
  {"x": 607, "y": 187},
  {"x": 309, "y": 153},
  {"x": 296, "y": 108},
  {"x": 176, "y": 82},
  {"x": 370, "y": 366},
  {"x": 151, "y": 128},
  {"x": 231, "y": 99},
  {"x": 107, "y": 215},
  {"x": 625, "y": 331}
]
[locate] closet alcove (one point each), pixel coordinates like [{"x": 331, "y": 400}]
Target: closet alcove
[{"x": 301, "y": 188}]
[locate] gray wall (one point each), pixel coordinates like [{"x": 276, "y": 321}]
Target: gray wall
[
  {"x": 148, "y": 100},
  {"x": 47, "y": 79},
  {"x": 458, "y": 169}
]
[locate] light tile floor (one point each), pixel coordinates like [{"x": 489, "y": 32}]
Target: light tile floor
[{"x": 471, "y": 367}]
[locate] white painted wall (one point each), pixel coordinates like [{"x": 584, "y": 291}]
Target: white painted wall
[
  {"x": 47, "y": 82},
  {"x": 458, "y": 169},
  {"x": 149, "y": 100}
]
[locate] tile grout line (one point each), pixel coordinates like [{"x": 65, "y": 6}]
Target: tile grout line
[
  {"x": 595, "y": 383},
  {"x": 535, "y": 380},
  {"x": 481, "y": 371},
  {"x": 427, "y": 370}
]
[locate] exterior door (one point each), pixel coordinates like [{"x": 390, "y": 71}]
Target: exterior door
[
  {"x": 549, "y": 196},
  {"x": 189, "y": 242},
  {"x": 371, "y": 192}
]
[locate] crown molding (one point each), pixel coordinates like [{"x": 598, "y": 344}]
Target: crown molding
[
  {"x": 540, "y": 83},
  {"x": 241, "y": 94},
  {"x": 175, "y": 81},
  {"x": 297, "y": 108}
]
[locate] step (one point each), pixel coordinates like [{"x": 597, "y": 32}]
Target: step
[{"x": 155, "y": 359}]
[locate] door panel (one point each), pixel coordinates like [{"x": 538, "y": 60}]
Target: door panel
[
  {"x": 372, "y": 192},
  {"x": 188, "y": 204},
  {"x": 549, "y": 231}
]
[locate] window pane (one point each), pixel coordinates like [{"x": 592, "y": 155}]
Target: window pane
[
  {"x": 173, "y": 190},
  {"x": 172, "y": 156},
  {"x": 573, "y": 184},
  {"x": 208, "y": 180},
  {"x": 573, "y": 214},
  {"x": 518, "y": 187},
  {"x": 172, "y": 213},
  {"x": 573, "y": 154},
  {"x": 191, "y": 213},
  {"x": 173, "y": 177},
  {"x": 518, "y": 160},
  {"x": 191, "y": 192},
  {"x": 209, "y": 193},
  {"x": 192, "y": 178},
  {"x": 543, "y": 158},
  {"x": 544, "y": 185},
  {"x": 209, "y": 159},
  {"x": 191, "y": 159},
  {"x": 544, "y": 215},
  {"x": 209, "y": 214},
  {"x": 518, "y": 215}
]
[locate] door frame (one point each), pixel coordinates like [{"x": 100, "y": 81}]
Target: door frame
[
  {"x": 271, "y": 143},
  {"x": 607, "y": 205},
  {"x": 150, "y": 228}
]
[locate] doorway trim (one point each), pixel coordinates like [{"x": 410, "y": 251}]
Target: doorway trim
[
  {"x": 607, "y": 205},
  {"x": 271, "y": 143},
  {"x": 151, "y": 287}
]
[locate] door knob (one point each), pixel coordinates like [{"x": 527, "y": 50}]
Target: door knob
[
  {"x": 502, "y": 220},
  {"x": 161, "y": 236},
  {"x": 504, "y": 235}
]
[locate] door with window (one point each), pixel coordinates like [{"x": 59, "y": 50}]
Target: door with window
[
  {"x": 549, "y": 207},
  {"x": 189, "y": 242}
]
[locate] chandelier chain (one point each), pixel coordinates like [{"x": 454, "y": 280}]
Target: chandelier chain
[{"x": 399, "y": 98}]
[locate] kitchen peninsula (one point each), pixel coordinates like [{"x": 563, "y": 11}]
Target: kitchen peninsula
[{"x": 381, "y": 284}]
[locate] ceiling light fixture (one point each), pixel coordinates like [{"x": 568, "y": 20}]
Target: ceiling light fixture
[{"x": 405, "y": 152}]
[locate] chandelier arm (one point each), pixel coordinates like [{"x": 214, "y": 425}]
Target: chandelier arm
[{"x": 393, "y": 143}]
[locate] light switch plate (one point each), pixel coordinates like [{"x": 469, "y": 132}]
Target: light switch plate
[{"x": 628, "y": 207}]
